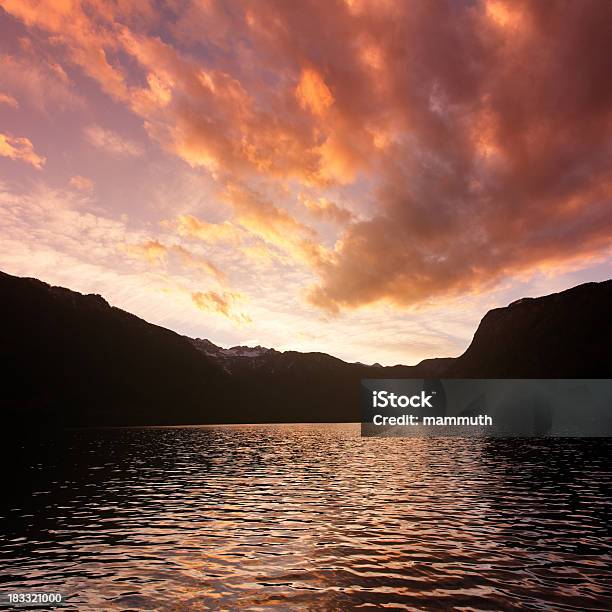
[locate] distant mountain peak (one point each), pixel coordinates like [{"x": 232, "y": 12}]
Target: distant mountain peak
[{"x": 229, "y": 358}]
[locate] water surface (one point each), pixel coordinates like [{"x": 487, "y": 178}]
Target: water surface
[{"x": 307, "y": 517}]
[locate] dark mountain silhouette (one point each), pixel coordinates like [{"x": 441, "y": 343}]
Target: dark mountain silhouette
[
  {"x": 72, "y": 359},
  {"x": 563, "y": 335}
]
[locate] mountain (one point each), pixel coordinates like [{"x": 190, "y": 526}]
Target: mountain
[
  {"x": 72, "y": 359},
  {"x": 563, "y": 335},
  {"x": 234, "y": 358}
]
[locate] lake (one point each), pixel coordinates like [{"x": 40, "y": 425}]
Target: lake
[{"x": 306, "y": 517}]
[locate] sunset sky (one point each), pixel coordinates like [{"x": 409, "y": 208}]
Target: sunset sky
[{"x": 361, "y": 178}]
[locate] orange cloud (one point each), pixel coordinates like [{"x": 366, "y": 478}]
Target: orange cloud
[
  {"x": 8, "y": 100},
  {"x": 221, "y": 303},
  {"x": 274, "y": 225},
  {"x": 87, "y": 42},
  {"x": 20, "y": 149},
  {"x": 262, "y": 217},
  {"x": 477, "y": 135},
  {"x": 152, "y": 250},
  {"x": 256, "y": 218},
  {"x": 157, "y": 253},
  {"x": 312, "y": 92},
  {"x": 188, "y": 225},
  {"x": 504, "y": 14},
  {"x": 205, "y": 115},
  {"x": 324, "y": 209}
]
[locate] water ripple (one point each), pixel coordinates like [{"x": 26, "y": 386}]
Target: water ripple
[{"x": 308, "y": 517}]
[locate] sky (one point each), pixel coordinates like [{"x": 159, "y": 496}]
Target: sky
[{"x": 363, "y": 178}]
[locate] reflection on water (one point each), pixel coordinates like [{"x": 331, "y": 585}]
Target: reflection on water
[{"x": 308, "y": 516}]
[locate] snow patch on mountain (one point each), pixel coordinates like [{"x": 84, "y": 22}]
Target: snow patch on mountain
[{"x": 235, "y": 352}]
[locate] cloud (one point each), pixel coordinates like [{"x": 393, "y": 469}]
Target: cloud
[
  {"x": 505, "y": 171},
  {"x": 152, "y": 251},
  {"x": 49, "y": 234},
  {"x": 157, "y": 253},
  {"x": 274, "y": 225},
  {"x": 199, "y": 263},
  {"x": 221, "y": 303},
  {"x": 204, "y": 113},
  {"x": 262, "y": 230},
  {"x": 312, "y": 92},
  {"x": 39, "y": 82},
  {"x": 188, "y": 225},
  {"x": 87, "y": 43},
  {"x": 325, "y": 210},
  {"x": 82, "y": 183},
  {"x": 263, "y": 253},
  {"x": 46, "y": 228},
  {"x": 60, "y": 222},
  {"x": 262, "y": 217},
  {"x": 20, "y": 149},
  {"x": 8, "y": 100},
  {"x": 476, "y": 134},
  {"x": 111, "y": 142}
]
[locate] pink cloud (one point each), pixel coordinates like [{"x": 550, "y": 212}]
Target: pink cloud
[
  {"x": 82, "y": 183},
  {"x": 111, "y": 142}
]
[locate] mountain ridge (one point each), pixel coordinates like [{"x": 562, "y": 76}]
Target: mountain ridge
[{"x": 73, "y": 359}]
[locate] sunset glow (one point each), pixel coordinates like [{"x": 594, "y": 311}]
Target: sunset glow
[{"x": 361, "y": 178}]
